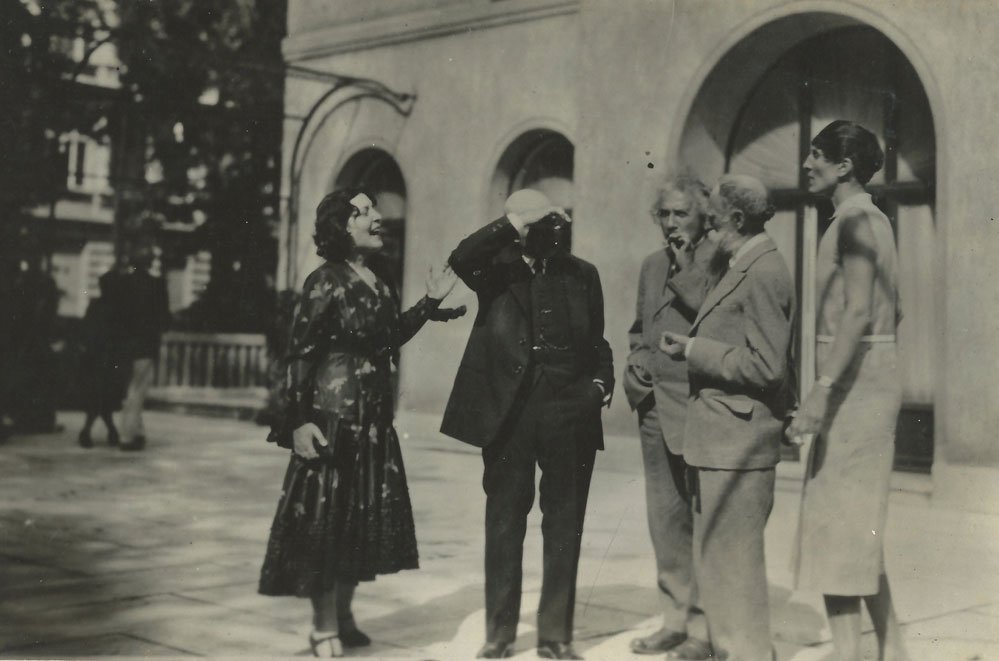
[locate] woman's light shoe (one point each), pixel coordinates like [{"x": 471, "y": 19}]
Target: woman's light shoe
[{"x": 325, "y": 645}]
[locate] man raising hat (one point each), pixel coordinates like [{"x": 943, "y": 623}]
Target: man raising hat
[{"x": 534, "y": 376}]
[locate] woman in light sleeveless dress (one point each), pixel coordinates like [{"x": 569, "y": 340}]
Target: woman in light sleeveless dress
[{"x": 853, "y": 407}]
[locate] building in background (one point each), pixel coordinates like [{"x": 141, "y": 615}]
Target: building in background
[
  {"x": 77, "y": 225},
  {"x": 593, "y": 100}
]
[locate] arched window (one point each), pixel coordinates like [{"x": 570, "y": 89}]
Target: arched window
[
  {"x": 844, "y": 72},
  {"x": 541, "y": 159}
]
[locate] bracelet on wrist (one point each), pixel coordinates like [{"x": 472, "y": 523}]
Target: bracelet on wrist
[{"x": 825, "y": 382}]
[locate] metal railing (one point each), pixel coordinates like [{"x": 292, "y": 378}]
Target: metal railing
[{"x": 212, "y": 360}]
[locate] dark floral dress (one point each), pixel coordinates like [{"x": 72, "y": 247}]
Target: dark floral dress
[{"x": 345, "y": 516}]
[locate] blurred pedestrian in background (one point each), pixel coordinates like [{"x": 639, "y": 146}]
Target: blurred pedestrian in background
[
  {"x": 103, "y": 372},
  {"x": 139, "y": 313},
  {"x": 32, "y": 303}
]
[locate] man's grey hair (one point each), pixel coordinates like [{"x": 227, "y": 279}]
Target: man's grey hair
[
  {"x": 689, "y": 184},
  {"x": 750, "y": 196}
]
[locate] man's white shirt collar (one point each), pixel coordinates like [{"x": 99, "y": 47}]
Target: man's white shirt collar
[{"x": 746, "y": 247}]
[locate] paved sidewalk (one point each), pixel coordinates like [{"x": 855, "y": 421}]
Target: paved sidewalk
[{"x": 105, "y": 553}]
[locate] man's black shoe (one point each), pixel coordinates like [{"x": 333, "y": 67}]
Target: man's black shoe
[
  {"x": 136, "y": 444},
  {"x": 549, "y": 649},
  {"x": 355, "y": 638},
  {"x": 497, "y": 650}
]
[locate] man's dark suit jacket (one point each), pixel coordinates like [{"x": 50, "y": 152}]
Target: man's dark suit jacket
[
  {"x": 666, "y": 303},
  {"x": 498, "y": 355}
]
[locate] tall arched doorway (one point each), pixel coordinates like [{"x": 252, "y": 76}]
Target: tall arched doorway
[
  {"x": 832, "y": 68},
  {"x": 541, "y": 159},
  {"x": 377, "y": 171}
]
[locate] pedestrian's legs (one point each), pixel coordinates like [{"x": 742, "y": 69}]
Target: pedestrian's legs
[
  {"x": 324, "y": 638},
  {"x": 670, "y": 522},
  {"x": 730, "y": 513},
  {"x": 508, "y": 481},
  {"x": 138, "y": 386},
  {"x": 324, "y": 611},
  {"x": 843, "y": 614},
  {"x": 566, "y": 468},
  {"x": 891, "y": 644},
  {"x": 344, "y": 601},
  {"x": 350, "y": 635},
  {"x": 84, "y": 438},
  {"x": 108, "y": 419},
  {"x": 88, "y": 423}
]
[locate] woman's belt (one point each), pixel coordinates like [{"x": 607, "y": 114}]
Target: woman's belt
[{"x": 863, "y": 338}]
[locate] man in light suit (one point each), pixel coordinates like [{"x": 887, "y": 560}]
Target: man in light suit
[
  {"x": 738, "y": 360},
  {"x": 529, "y": 390},
  {"x": 674, "y": 281}
]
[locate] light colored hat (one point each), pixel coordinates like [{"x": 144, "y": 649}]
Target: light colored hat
[{"x": 526, "y": 199}]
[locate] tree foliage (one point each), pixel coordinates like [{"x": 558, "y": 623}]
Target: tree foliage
[
  {"x": 35, "y": 67},
  {"x": 195, "y": 125}
]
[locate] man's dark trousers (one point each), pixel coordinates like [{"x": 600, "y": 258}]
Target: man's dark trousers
[{"x": 542, "y": 432}]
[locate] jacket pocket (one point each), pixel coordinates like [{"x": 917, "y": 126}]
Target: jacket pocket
[{"x": 740, "y": 406}]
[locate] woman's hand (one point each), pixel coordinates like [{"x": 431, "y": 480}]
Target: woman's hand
[
  {"x": 440, "y": 283},
  {"x": 302, "y": 440},
  {"x": 811, "y": 415}
]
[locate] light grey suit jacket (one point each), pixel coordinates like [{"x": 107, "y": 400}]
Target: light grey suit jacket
[
  {"x": 665, "y": 302},
  {"x": 740, "y": 365}
]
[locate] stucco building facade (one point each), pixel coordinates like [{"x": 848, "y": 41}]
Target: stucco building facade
[{"x": 457, "y": 103}]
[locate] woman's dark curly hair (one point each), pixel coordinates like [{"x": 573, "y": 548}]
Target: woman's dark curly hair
[
  {"x": 333, "y": 243},
  {"x": 843, "y": 139}
]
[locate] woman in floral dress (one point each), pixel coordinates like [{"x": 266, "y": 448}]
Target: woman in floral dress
[{"x": 344, "y": 514}]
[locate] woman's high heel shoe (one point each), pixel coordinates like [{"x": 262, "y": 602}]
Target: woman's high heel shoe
[
  {"x": 354, "y": 638},
  {"x": 325, "y": 645},
  {"x": 350, "y": 635}
]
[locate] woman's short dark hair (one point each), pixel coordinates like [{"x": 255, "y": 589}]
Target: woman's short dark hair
[
  {"x": 333, "y": 243},
  {"x": 843, "y": 139}
]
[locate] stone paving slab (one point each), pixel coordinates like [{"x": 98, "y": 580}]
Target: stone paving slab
[
  {"x": 109, "y": 645},
  {"x": 156, "y": 554}
]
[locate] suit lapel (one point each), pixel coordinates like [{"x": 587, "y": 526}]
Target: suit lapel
[
  {"x": 729, "y": 281},
  {"x": 732, "y": 278}
]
